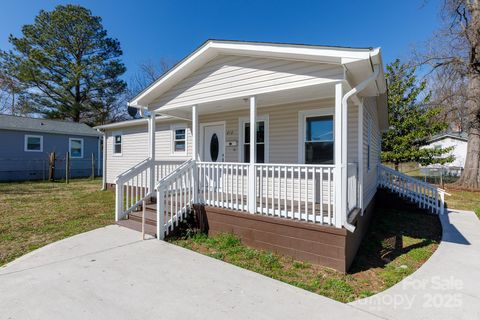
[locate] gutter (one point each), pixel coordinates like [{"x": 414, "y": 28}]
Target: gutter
[{"x": 360, "y": 87}]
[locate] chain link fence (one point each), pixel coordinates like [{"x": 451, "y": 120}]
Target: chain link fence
[{"x": 49, "y": 167}]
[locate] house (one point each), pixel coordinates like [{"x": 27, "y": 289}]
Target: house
[
  {"x": 458, "y": 141},
  {"x": 301, "y": 181},
  {"x": 26, "y": 144}
]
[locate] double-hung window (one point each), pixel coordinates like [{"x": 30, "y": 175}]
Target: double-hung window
[
  {"x": 318, "y": 139},
  {"x": 76, "y": 147},
  {"x": 261, "y": 141},
  {"x": 179, "y": 141},
  {"x": 33, "y": 143},
  {"x": 117, "y": 143}
]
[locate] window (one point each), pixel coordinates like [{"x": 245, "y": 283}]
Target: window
[
  {"x": 179, "y": 145},
  {"x": 369, "y": 143},
  {"x": 318, "y": 144},
  {"x": 76, "y": 147},
  {"x": 117, "y": 143},
  {"x": 33, "y": 143},
  {"x": 262, "y": 140}
]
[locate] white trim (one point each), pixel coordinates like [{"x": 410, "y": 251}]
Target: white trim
[
  {"x": 173, "y": 127},
  {"x": 241, "y": 136},
  {"x": 132, "y": 123},
  {"x": 25, "y": 143},
  {"x": 369, "y": 142},
  {"x": 302, "y": 117},
  {"x": 202, "y": 136},
  {"x": 117, "y": 133},
  {"x": 70, "y": 147},
  {"x": 212, "y": 48}
]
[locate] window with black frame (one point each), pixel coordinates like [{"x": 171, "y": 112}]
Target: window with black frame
[
  {"x": 319, "y": 140},
  {"x": 260, "y": 142}
]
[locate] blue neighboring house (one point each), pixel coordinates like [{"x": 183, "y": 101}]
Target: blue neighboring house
[{"x": 26, "y": 143}]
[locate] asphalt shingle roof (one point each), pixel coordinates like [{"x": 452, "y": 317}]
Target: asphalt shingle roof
[{"x": 8, "y": 122}]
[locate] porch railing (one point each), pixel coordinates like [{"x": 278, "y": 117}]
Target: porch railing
[
  {"x": 175, "y": 196},
  {"x": 427, "y": 196},
  {"x": 352, "y": 187},
  {"x": 134, "y": 185},
  {"x": 298, "y": 192},
  {"x": 223, "y": 184}
]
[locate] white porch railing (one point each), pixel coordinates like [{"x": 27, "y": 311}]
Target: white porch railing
[
  {"x": 223, "y": 184},
  {"x": 352, "y": 187},
  {"x": 424, "y": 194},
  {"x": 134, "y": 185},
  {"x": 298, "y": 192},
  {"x": 175, "y": 196}
]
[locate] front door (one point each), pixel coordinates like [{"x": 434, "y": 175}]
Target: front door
[{"x": 214, "y": 143}]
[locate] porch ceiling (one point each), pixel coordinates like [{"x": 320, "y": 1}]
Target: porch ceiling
[{"x": 302, "y": 94}]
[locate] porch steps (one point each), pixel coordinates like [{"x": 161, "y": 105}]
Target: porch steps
[{"x": 134, "y": 220}]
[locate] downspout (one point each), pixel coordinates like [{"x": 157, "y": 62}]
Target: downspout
[
  {"x": 104, "y": 169},
  {"x": 360, "y": 87}
]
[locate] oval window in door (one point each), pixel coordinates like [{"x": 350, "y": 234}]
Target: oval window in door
[{"x": 214, "y": 147}]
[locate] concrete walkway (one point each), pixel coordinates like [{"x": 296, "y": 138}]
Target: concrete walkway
[
  {"x": 447, "y": 286},
  {"x": 109, "y": 273}
]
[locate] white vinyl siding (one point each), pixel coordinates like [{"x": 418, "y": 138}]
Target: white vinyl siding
[
  {"x": 282, "y": 129},
  {"x": 370, "y": 176},
  {"x": 228, "y": 77},
  {"x": 135, "y": 147}
]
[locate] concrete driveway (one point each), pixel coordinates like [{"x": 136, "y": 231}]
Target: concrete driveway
[{"x": 109, "y": 273}]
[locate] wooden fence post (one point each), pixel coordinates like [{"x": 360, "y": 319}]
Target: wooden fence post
[
  {"x": 67, "y": 167},
  {"x": 93, "y": 166},
  {"x": 51, "y": 167}
]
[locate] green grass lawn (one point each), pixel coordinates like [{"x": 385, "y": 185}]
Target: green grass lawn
[
  {"x": 33, "y": 214},
  {"x": 397, "y": 244},
  {"x": 463, "y": 200}
]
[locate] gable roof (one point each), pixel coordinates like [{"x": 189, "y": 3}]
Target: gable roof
[
  {"x": 212, "y": 48},
  {"x": 130, "y": 123},
  {"x": 8, "y": 122},
  {"x": 462, "y": 136}
]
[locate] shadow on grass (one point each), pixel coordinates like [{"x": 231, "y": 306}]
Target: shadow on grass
[{"x": 397, "y": 228}]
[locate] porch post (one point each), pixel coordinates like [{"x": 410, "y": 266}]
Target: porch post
[
  {"x": 104, "y": 165},
  {"x": 151, "y": 151},
  {"x": 195, "y": 152},
  {"x": 194, "y": 133},
  {"x": 344, "y": 182},
  {"x": 337, "y": 176},
  {"x": 252, "y": 201},
  {"x": 360, "y": 157}
]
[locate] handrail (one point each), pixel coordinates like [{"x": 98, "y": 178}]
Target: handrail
[
  {"x": 175, "y": 196},
  {"x": 130, "y": 171},
  {"x": 427, "y": 196},
  {"x": 172, "y": 174}
]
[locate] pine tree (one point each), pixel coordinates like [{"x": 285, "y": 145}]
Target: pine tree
[
  {"x": 413, "y": 121},
  {"x": 67, "y": 62}
]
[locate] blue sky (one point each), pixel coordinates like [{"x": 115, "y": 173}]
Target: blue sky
[{"x": 149, "y": 30}]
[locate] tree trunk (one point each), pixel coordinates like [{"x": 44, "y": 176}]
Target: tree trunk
[{"x": 470, "y": 176}]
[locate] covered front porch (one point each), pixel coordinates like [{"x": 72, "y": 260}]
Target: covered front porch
[{"x": 301, "y": 162}]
